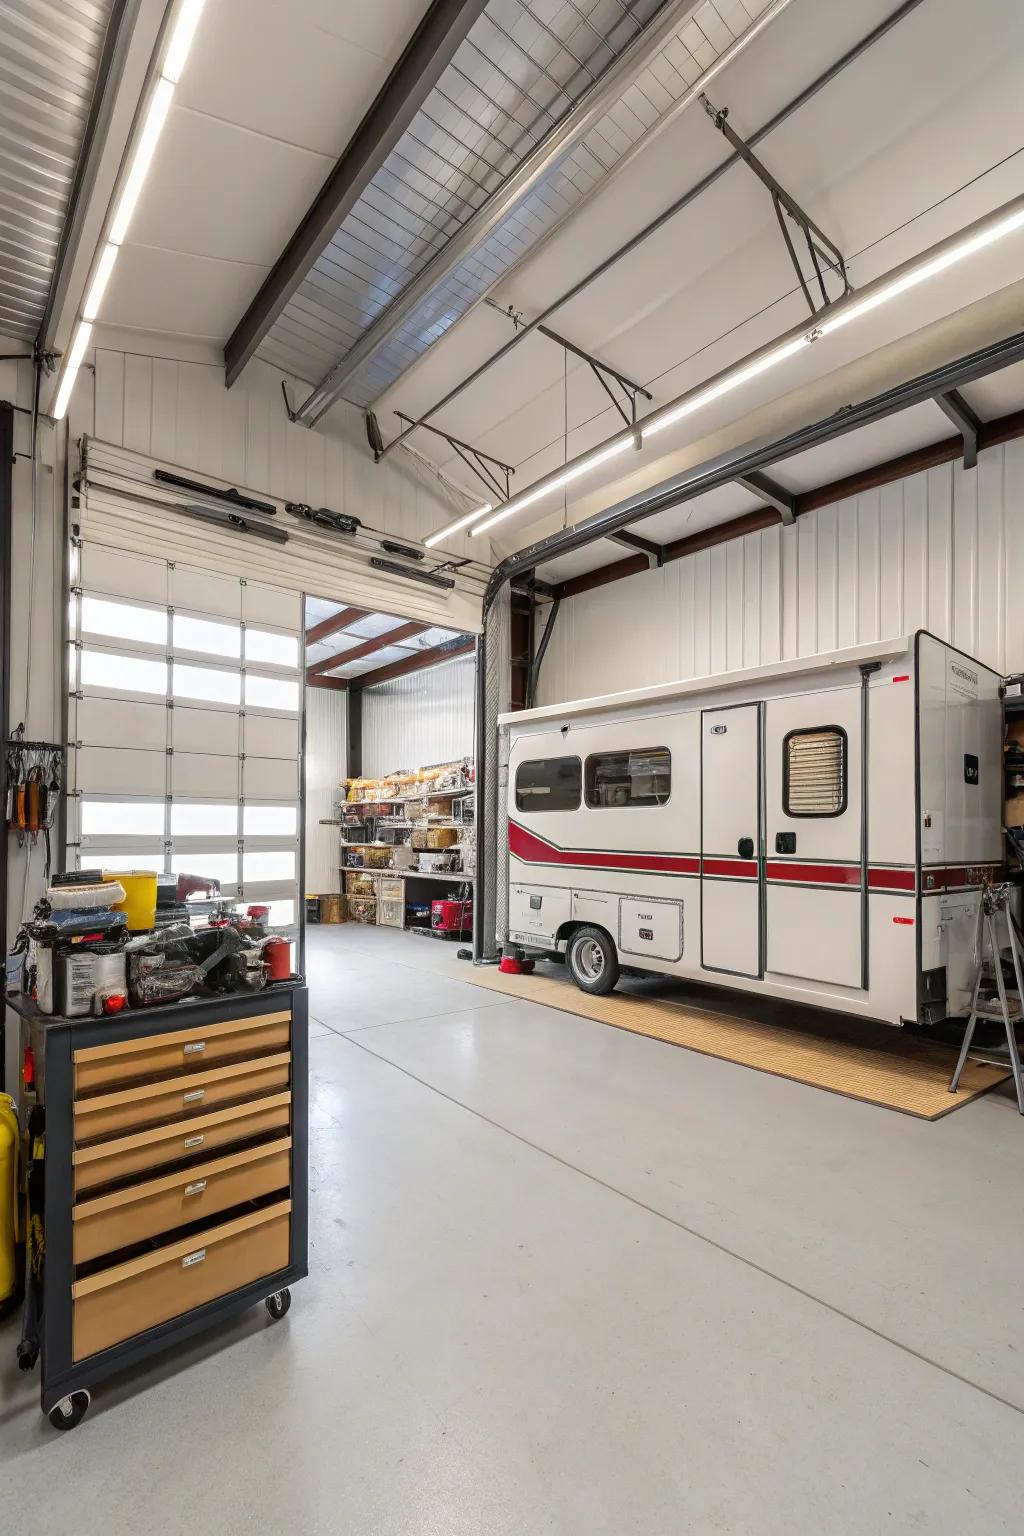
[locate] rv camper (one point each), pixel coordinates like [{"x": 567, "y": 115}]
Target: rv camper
[{"x": 816, "y": 830}]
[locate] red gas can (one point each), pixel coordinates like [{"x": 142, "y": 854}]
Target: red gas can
[
  {"x": 451, "y": 916},
  {"x": 277, "y": 952}
]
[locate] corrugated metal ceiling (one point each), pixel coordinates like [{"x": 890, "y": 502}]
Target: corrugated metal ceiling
[
  {"x": 374, "y": 626},
  {"x": 523, "y": 66},
  {"x": 49, "y": 58}
]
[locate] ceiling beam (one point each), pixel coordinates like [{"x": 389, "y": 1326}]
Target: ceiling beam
[
  {"x": 338, "y": 683},
  {"x": 654, "y": 553},
  {"x": 340, "y": 620},
  {"x": 991, "y": 433},
  {"x": 559, "y": 140},
  {"x": 770, "y": 491},
  {"x": 417, "y": 662},
  {"x": 375, "y": 643},
  {"x": 967, "y": 423},
  {"x": 421, "y": 65}
]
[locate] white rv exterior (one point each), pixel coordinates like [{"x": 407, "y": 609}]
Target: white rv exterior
[{"x": 814, "y": 830}]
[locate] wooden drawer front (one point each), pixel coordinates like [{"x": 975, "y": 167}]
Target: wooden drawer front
[
  {"x": 146, "y": 1210},
  {"x": 118, "y": 1303},
  {"x": 112, "y": 1114},
  {"x": 163, "y": 1144},
  {"x": 127, "y": 1061}
]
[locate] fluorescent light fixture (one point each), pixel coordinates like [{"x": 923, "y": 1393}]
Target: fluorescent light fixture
[
  {"x": 862, "y": 304},
  {"x": 573, "y": 472},
  {"x": 99, "y": 283},
  {"x": 181, "y": 39},
  {"x": 71, "y": 366},
  {"x": 729, "y": 381},
  {"x": 141, "y": 160},
  {"x": 976, "y": 237},
  {"x": 458, "y": 525}
]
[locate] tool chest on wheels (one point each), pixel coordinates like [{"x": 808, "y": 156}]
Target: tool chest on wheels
[{"x": 175, "y": 1180}]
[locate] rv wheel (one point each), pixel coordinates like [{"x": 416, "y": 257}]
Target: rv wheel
[{"x": 592, "y": 960}]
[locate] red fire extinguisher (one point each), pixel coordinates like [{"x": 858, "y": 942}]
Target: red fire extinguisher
[{"x": 277, "y": 953}]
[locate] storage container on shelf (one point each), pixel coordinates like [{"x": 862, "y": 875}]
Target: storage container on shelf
[{"x": 362, "y": 909}]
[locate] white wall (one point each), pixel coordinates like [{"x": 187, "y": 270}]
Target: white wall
[
  {"x": 426, "y": 717},
  {"x": 326, "y": 732},
  {"x": 942, "y": 550}
]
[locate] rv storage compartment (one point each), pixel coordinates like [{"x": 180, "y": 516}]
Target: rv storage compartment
[{"x": 649, "y": 926}]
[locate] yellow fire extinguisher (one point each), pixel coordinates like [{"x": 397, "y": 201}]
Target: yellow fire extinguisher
[{"x": 9, "y": 1139}]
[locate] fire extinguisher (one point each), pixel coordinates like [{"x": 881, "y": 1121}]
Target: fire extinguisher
[{"x": 277, "y": 953}]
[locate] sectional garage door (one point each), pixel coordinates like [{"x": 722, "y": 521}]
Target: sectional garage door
[{"x": 185, "y": 724}]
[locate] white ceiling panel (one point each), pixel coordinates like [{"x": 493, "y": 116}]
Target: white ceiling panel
[
  {"x": 155, "y": 290},
  {"x": 872, "y": 445},
  {"x": 320, "y": 608},
  {"x": 299, "y": 73},
  {"x": 373, "y": 625},
  {"x": 218, "y": 190}
]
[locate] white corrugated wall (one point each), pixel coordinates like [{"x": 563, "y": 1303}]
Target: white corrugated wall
[
  {"x": 326, "y": 730},
  {"x": 426, "y": 717},
  {"x": 942, "y": 550}
]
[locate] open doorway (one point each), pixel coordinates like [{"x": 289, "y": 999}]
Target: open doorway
[{"x": 390, "y": 779}]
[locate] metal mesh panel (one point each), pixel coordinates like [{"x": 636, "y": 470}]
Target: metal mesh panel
[{"x": 492, "y": 859}]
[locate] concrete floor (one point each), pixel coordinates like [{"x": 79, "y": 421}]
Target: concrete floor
[{"x": 568, "y": 1280}]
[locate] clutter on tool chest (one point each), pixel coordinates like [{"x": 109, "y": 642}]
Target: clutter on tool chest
[{"x": 166, "y": 1178}]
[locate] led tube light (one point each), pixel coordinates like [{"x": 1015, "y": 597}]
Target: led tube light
[
  {"x": 71, "y": 367},
  {"x": 98, "y": 287},
  {"x": 181, "y": 39},
  {"x": 142, "y": 159},
  {"x": 948, "y": 253}
]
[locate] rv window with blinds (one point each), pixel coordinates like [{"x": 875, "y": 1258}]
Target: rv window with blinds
[
  {"x": 814, "y": 772},
  {"x": 642, "y": 776},
  {"x": 549, "y": 784}
]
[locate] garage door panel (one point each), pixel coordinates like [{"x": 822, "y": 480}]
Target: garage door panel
[
  {"x": 112, "y": 574},
  {"x": 272, "y": 605},
  {"x": 270, "y": 778},
  {"x": 99, "y": 720},
  {"x": 213, "y": 731},
  {"x": 270, "y": 736},
  {"x": 120, "y": 770},
  {"x": 202, "y": 592},
  {"x": 200, "y": 774}
]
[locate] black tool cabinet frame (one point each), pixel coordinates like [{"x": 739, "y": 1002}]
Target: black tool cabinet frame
[{"x": 61, "y": 1375}]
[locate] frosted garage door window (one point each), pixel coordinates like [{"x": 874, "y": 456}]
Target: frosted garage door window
[
  {"x": 124, "y": 621},
  {"x": 549, "y": 784},
  {"x": 270, "y": 821},
  {"x": 274, "y": 650},
  {"x": 271, "y": 692},
  {"x": 122, "y": 818},
  {"x": 208, "y": 683},
  {"x": 814, "y": 772},
  {"x": 127, "y": 674},
  {"x": 207, "y": 819},
  {"x": 204, "y": 635},
  {"x": 268, "y": 865}
]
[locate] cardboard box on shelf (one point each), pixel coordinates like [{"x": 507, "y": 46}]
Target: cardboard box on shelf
[
  {"x": 359, "y": 884},
  {"x": 362, "y": 909},
  {"x": 433, "y": 837}
]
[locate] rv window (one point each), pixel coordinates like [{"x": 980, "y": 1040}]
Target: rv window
[
  {"x": 814, "y": 772},
  {"x": 549, "y": 784},
  {"x": 640, "y": 777}
]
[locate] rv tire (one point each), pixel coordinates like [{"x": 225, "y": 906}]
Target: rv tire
[{"x": 593, "y": 963}]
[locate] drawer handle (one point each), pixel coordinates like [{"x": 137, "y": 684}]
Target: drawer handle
[
  {"x": 193, "y": 1258},
  {"x": 194, "y": 1141},
  {"x": 195, "y": 1047},
  {"x": 196, "y": 1188},
  {"x": 194, "y": 1096}
]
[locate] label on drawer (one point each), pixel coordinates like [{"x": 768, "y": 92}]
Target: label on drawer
[
  {"x": 194, "y": 1141},
  {"x": 193, "y": 1258},
  {"x": 194, "y": 1047}
]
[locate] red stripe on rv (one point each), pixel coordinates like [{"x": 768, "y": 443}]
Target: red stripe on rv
[
  {"x": 815, "y": 874},
  {"x": 745, "y": 869},
  {"x": 535, "y": 850}
]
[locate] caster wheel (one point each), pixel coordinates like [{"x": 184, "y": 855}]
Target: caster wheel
[
  {"x": 71, "y": 1410},
  {"x": 278, "y": 1304}
]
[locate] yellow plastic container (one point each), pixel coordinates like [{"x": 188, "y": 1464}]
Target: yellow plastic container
[
  {"x": 139, "y": 903},
  {"x": 9, "y": 1137}
]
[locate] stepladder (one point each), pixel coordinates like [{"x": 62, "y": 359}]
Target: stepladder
[{"x": 998, "y": 938}]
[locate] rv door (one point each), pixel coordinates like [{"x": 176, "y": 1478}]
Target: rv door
[{"x": 813, "y": 831}]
